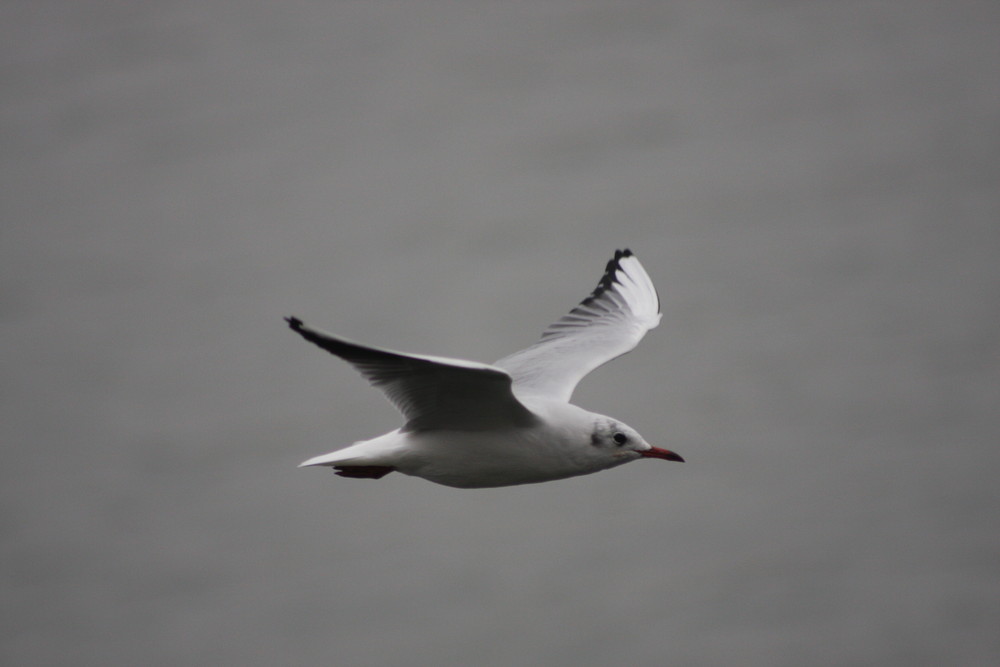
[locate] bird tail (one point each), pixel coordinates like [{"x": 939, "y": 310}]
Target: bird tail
[
  {"x": 331, "y": 459},
  {"x": 367, "y": 458},
  {"x": 348, "y": 465}
]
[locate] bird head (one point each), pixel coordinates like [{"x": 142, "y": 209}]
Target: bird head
[{"x": 621, "y": 441}]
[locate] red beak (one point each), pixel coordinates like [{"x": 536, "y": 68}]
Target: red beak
[{"x": 657, "y": 453}]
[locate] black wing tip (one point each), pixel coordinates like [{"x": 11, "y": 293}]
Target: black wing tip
[
  {"x": 610, "y": 276},
  {"x": 294, "y": 322},
  {"x": 615, "y": 262}
]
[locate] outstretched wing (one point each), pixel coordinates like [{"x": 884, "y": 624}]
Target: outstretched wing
[
  {"x": 431, "y": 392},
  {"x": 607, "y": 324}
]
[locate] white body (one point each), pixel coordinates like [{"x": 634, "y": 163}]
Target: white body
[{"x": 561, "y": 447}]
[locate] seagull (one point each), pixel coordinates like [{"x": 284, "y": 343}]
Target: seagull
[{"x": 474, "y": 425}]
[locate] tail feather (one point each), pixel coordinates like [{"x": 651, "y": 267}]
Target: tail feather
[
  {"x": 330, "y": 459},
  {"x": 353, "y": 455},
  {"x": 366, "y": 459}
]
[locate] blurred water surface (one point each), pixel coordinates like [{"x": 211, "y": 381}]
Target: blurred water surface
[{"x": 812, "y": 186}]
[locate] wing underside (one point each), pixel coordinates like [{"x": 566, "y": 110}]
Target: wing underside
[
  {"x": 608, "y": 323},
  {"x": 431, "y": 392}
]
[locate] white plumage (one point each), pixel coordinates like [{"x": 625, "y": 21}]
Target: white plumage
[{"x": 471, "y": 425}]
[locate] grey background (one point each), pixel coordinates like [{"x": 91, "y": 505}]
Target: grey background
[{"x": 812, "y": 186}]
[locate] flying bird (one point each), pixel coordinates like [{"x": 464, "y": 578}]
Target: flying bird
[{"x": 475, "y": 425}]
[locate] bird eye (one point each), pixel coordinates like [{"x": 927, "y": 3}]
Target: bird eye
[{"x": 620, "y": 438}]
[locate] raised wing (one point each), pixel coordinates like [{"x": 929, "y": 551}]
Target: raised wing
[
  {"x": 607, "y": 324},
  {"x": 431, "y": 392}
]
